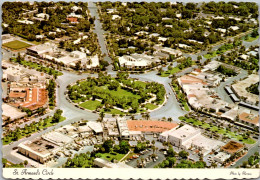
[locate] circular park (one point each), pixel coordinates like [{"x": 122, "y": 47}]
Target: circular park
[{"x": 116, "y": 95}]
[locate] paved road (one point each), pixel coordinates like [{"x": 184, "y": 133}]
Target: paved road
[
  {"x": 220, "y": 89},
  {"x": 100, "y": 34},
  {"x": 171, "y": 108}
]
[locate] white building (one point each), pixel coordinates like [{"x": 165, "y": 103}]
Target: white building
[
  {"x": 137, "y": 61},
  {"x": 123, "y": 128},
  {"x": 25, "y": 21},
  {"x": 221, "y": 157},
  {"x": 95, "y": 126},
  {"x": 187, "y": 136},
  {"x": 234, "y": 28}
]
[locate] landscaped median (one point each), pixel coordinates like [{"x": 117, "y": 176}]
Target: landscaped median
[
  {"x": 19, "y": 133},
  {"x": 120, "y": 95},
  {"x": 180, "y": 96},
  {"x": 219, "y": 130}
]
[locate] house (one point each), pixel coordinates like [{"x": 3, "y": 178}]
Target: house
[
  {"x": 72, "y": 19},
  {"x": 114, "y": 17},
  {"x": 174, "y": 52},
  {"x": 234, "y": 28}
]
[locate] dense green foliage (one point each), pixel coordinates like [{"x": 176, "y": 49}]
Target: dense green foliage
[
  {"x": 83, "y": 160},
  {"x": 161, "y": 18},
  {"x": 51, "y": 92},
  {"x": 232, "y": 58},
  {"x": 231, "y": 8},
  {"x": 12, "y": 11},
  {"x": 120, "y": 92},
  {"x": 226, "y": 71},
  {"x": 180, "y": 95},
  {"x": 254, "y": 159},
  {"x": 27, "y": 130},
  {"x": 253, "y": 89},
  {"x": 171, "y": 160}
]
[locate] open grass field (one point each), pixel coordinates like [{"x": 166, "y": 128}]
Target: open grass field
[
  {"x": 112, "y": 155},
  {"x": 119, "y": 92},
  {"x": 151, "y": 106},
  {"x": 210, "y": 55},
  {"x": 91, "y": 105},
  {"x": 170, "y": 72},
  {"x": 186, "y": 107},
  {"x": 16, "y": 45}
]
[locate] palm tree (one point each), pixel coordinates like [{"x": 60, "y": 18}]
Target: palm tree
[
  {"x": 102, "y": 115},
  {"x": 214, "y": 165}
]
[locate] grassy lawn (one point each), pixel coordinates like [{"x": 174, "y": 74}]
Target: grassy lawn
[
  {"x": 205, "y": 126},
  {"x": 112, "y": 155},
  {"x": 116, "y": 111},
  {"x": 15, "y": 45},
  {"x": 119, "y": 92},
  {"x": 214, "y": 128},
  {"x": 211, "y": 55},
  {"x": 246, "y": 141},
  {"x": 186, "y": 107},
  {"x": 140, "y": 83},
  {"x": 197, "y": 123},
  {"x": 151, "y": 106},
  {"x": 221, "y": 131},
  {"x": 170, "y": 72},
  {"x": 91, "y": 105},
  {"x": 250, "y": 39}
]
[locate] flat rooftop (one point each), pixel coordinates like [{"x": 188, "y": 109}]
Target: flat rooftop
[
  {"x": 184, "y": 131},
  {"x": 39, "y": 146},
  {"x": 57, "y": 138},
  {"x": 251, "y": 118},
  {"x": 150, "y": 126},
  {"x": 12, "y": 112}
]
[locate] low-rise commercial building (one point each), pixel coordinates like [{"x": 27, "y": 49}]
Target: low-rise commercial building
[
  {"x": 187, "y": 137},
  {"x": 221, "y": 157},
  {"x": 249, "y": 119},
  {"x": 39, "y": 149},
  {"x": 138, "y": 61}
]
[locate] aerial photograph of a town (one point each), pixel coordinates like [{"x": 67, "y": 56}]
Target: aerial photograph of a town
[{"x": 130, "y": 84}]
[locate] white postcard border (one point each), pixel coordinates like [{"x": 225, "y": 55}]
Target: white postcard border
[{"x": 125, "y": 173}]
